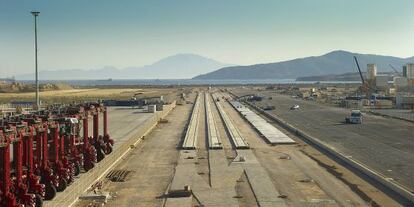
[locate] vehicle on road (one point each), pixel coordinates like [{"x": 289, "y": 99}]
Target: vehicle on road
[
  {"x": 269, "y": 108},
  {"x": 355, "y": 118},
  {"x": 294, "y": 107}
]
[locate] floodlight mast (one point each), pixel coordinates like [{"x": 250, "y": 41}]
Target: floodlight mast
[{"x": 35, "y": 15}]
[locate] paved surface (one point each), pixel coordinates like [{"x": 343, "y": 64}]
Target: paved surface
[
  {"x": 259, "y": 180},
  {"x": 383, "y": 144},
  {"x": 123, "y": 123},
  {"x": 152, "y": 163},
  {"x": 396, "y": 113},
  {"x": 293, "y": 174}
]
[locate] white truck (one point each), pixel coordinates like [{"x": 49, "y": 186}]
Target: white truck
[{"x": 355, "y": 118}]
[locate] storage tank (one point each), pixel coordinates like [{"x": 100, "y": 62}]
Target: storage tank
[
  {"x": 410, "y": 71},
  {"x": 371, "y": 71},
  {"x": 381, "y": 81}
]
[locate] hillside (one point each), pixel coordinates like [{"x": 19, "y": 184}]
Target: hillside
[
  {"x": 179, "y": 66},
  {"x": 340, "y": 77},
  {"x": 336, "y": 62}
]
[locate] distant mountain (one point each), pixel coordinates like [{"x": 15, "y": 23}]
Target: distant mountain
[
  {"x": 336, "y": 62},
  {"x": 180, "y": 66},
  {"x": 177, "y": 67}
]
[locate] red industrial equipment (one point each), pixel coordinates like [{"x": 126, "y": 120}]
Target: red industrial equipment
[
  {"x": 70, "y": 141},
  {"x": 65, "y": 173},
  {"x": 103, "y": 144},
  {"x": 41, "y": 162},
  {"x": 20, "y": 188},
  {"x": 32, "y": 180},
  {"x": 89, "y": 152},
  {"x": 96, "y": 141},
  {"x": 7, "y": 198},
  {"x": 48, "y": 150},
  {"x": 106, "y": 138}
]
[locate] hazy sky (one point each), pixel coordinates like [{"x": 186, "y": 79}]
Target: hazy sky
[{"x": 121, "y": 33}]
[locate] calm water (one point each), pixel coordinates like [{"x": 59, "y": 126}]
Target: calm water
[{"x": 180, "y": 82}]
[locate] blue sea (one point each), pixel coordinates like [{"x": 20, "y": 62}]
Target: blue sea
[{"x": 166, "y": 82}]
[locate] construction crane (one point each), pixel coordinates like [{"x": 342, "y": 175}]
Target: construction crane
[
  {"x": 359, "y": 70},
  {"x": 365, "y": 87}
]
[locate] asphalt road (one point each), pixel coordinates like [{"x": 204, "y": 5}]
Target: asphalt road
[{"x": 385, "y": 145}]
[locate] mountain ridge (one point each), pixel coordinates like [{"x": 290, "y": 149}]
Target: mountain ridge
[{"x": 334, "y": 62}]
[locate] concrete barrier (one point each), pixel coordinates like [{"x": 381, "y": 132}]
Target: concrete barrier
[
  {"x": 214, "y": 141},
  {"x": 392, "y": 186},
  {"x": 83, "y": 183},
  {"x": 235, "y": 135},
  {"x": 190, "y": 139}
]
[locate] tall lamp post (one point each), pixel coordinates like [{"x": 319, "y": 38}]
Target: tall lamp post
[{"x": 35, "y": 14}]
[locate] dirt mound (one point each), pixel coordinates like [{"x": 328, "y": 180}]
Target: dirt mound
[{"x": 18, "y": 87}]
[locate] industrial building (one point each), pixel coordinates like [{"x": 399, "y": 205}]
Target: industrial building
[{"x": 404, "y": 100}]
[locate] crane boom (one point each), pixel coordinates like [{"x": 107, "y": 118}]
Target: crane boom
[
  {"x": 359, "y": 69},
  {"x": 395, "y": 70}
]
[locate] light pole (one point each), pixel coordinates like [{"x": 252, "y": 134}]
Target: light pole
[{"x": 35, "y": 14}]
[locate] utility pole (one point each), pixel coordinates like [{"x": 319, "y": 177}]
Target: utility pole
[{"x": 35, "y": 14}]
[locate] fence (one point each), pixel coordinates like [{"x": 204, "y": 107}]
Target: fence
[
  {"x": 13, "y": 106},
  {"x": 72, "y": 192}
]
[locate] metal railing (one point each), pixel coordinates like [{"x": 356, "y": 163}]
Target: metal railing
[{"x": 86, "y": 180}]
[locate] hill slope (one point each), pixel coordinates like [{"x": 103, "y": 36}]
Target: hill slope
[
  {"x": 179, "y": 66},
  {"x": 336, "y": 62}
]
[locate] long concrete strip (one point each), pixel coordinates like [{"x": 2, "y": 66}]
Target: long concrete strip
[
  {"x": 221, "y": 193},
  {"x": 213, "y": 135},
  {"x": 234, "y": 133},
  {"x": 261, "y": 184},
  {"x": 269, "y": 132},
  {"x": 190, "y": 140},
  {"x": 259, "y": 180},
  {"x": 183, "y": 176}
]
